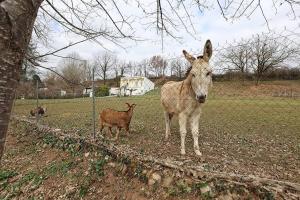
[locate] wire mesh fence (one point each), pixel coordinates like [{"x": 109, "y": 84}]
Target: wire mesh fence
[{"x": 245, "y": 127}]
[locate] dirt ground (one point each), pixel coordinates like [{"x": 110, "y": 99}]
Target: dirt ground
[
  {"x": 244, "y": 130},
  {"x": 32, "y": 169},
  {"x": 270, "y": 156}
]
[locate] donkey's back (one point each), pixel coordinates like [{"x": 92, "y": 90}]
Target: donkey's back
[{"x": 169, "y": 97}]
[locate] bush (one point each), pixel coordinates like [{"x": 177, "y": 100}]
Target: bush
[{"x": 102, "y": 91}]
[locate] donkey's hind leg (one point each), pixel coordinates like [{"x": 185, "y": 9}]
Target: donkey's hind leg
[{"x": 168, "y": 118}]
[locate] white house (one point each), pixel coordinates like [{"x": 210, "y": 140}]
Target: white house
[
  {"x": 114, "y": 91},
  {"x": 63, "y": 93},
  {"x": 89, "y": 91},
  {"x": 137, "y": 85}
]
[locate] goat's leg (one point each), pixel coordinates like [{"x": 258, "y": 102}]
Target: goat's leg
[
  {"x": 101, "y": 126},
  {"x": 127, "y": 130},
  {"x": 195, "y": 131},
  {"x": 182, "y": 123},
  {"x": 168, "y": 118},
  {"x": 117, "y": 134},
  {"x": 110, "y": 132}
]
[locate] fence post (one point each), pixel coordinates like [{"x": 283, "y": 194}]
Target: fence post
[
  {"x": 37, "y": 101},
  {"x": 93, "y": 96}
]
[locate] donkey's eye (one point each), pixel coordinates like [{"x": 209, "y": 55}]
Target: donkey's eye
[
  {"x": 193, "y": 75},
  {"x": 208, "y": 73}
]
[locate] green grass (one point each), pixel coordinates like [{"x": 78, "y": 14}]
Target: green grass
[{"x": 235, "y": 114}]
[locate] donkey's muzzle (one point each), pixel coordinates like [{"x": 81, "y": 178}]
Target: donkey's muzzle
[{"x": 201, "y": 98}]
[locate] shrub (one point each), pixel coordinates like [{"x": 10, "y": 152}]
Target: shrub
[{"x": 102, "y": 91}]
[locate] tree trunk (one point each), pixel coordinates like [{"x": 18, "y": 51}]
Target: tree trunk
[
  {"x": 16, "y": 23},
  {"x": 257, "y": 79}
]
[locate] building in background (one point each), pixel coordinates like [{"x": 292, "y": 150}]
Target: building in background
[{"x": 137, "y": 85}]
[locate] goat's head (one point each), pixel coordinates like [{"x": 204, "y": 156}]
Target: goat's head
[{"x": 132, "y": 106}]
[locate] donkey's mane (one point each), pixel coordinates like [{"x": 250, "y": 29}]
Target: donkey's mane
[
  {"x": 190, "y": 68},
  {"x": 188, "y": 71}
]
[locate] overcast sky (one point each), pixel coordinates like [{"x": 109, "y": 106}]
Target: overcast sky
[{"x": 208, "y": 25}]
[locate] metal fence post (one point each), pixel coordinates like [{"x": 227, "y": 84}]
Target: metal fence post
[
  {"x": 37, "y": 101},
  {"x": 94, "y": 112}
]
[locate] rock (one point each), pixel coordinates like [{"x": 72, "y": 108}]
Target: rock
[
  {"x": 70, "y": 190},
  {"x": 112, "y": 164},
  {"x": 178, "y": 174},
  {"x": 167, "y": 181},
  {"x": 87, "y": 154},
  {"x": 205, "y": 189},
  {"x": 44, "y": 145},
  {"x": 155, "y": 178},
  {"x": 225, "y": 197},
  {"x": 151, "y": 182}
]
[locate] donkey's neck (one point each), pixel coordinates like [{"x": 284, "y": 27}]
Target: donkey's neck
[{"x": 186, "y": 87}]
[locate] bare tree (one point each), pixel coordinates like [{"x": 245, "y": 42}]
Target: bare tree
[
  {"x": 268, "y": 53},
  {"x": 158, "y": 65},
  {"x": 145, "y": 67},
  {"x": 178, "y": 68},
  {"x": 134, "y": 68},
  {"x": 16, "y": 24},
  {"x": 120, "y": 68},
  {"x": 72, "y": 68},
  {"x": 236, "y": 57},
  {"x": 104, "y": 63},
  {"x": 17, "y": 19},
  {"x": 88, "y": 70}
]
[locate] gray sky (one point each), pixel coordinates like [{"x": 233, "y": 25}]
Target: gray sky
[{"x": 208, "y": 25}]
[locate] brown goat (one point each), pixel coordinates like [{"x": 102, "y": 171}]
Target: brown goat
[
  {"x": 113, "y": 118},
  {"x": 39, "y": 110}
]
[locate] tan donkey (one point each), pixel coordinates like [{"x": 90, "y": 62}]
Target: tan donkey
[{"x": 184, "y": 98}]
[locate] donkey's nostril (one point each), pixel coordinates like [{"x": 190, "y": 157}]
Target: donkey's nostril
[{"x": 202, "y": 97}]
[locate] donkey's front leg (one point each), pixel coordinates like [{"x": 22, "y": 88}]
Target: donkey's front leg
[
  {"x": 195, "y": 131},
  {"x": 182, "y": 123},
  {"x": 168, "y": 122}
]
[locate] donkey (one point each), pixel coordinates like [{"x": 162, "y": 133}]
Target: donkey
[{"x": 185, "y": 98}]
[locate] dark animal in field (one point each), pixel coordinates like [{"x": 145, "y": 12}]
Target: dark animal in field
[
  {"x": 39, "y": 110},
  {"x": 119, "y": 119}
]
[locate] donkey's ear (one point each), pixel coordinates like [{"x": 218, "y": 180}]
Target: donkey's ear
[
  {"x": 133, "y": 105},
  {"x": 128, "y": 105},
  {"x": 189, "y": 57},
  {"x": 207, "y": 52}
]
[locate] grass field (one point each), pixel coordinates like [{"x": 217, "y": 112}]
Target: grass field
[{"x": 243, "y": 129}]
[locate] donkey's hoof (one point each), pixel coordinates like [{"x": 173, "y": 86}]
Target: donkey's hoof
[
  {"x": 198, "y": 153},
  {"x": 182, "y": 152}
]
